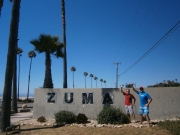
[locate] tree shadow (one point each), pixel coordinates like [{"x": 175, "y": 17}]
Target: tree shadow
[{"x": 33, "y": 129}]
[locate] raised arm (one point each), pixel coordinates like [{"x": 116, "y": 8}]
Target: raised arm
[
  {"x": 121, "y": 89},
  {"x": 134, "y": 89}
]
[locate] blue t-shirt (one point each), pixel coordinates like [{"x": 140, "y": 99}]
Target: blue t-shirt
[{"x": 143, "y": 96}]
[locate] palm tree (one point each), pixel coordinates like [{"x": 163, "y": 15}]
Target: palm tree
[
  {"x": 64, "y": 42},
  {"x": 19, "y": 51},
  {"x": 85, "y": 74},
  {"x": 105, "y": 83},
  {"x": 73, "y": 69},
  {"x": 13, "y": 39},
  {"x": 50, "y": 45},
  {"x": 95, "y": 78},
  {"x": 91, "y": 75},
  {"x": 14, "y": 88},
  {"x": 31, "y": 55},
  {"x": 101, "y": 80},
  {"x": 176, "y": 80}
]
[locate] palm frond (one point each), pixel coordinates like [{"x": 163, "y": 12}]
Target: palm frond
[
  {"x": 73, "y": 69},
  {"x": 85, "y": 73},
  {"x": 19, "y": 51},
  {"x": 31, "y": 54},
  {"x": 49, "y": 44}
]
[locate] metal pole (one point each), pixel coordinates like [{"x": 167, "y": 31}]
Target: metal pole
[{"x": 117, "y": 73}]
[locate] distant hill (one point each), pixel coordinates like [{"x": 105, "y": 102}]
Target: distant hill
[{"x": 167, "y": 83}]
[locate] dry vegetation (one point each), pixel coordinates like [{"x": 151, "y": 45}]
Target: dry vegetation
[{"x": 74, "y": 130}]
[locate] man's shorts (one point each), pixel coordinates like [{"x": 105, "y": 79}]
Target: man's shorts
[
  {"x": 143, "y": 110},
  {"x": 129, "y": 109}
]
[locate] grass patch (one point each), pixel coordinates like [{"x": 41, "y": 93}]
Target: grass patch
[
  {"x": 74, "y": 130},
  {"x": 172, "y": 126}
]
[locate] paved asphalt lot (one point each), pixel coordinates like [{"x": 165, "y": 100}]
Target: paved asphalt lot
[{"x": 21, "y": 116}]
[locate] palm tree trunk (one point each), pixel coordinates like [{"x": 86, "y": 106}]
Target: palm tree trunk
[
  {"x": 73, "y": 79},
  {"x": 85, "y": 81},
  {"x": 14, "y": 90},
  {"x": 6, "y": 104},
  {"x": 48, "y": 76},
  {"x": 91, "y": 82},
  {"x": 64, "y": 41},
  {"x": 19, "y": 76},
  {"x": 1, "y": 5},
  {"x": 29, "y": 79}
]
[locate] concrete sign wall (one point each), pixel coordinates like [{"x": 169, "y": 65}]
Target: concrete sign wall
[{"x": 165, "y": 102}]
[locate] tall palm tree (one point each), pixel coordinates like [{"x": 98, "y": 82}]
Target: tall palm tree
[
  {"x": 19, "y": 52},
  {"x": 91, "y": 75},
  {"x": 31, "y": 55},
  {"x": 101, "y": 80},
  {"x": 1, "y": 5},
  {"x": 49, "y": 45},
  {"x": 95, "y": 78},
  {"x": 85, "y": 74},
  {"x": 73, "y": 69},
  {"x": 13, "y": 39},
  {"x": 14, "y": 88},
  {"x": 105, "y": 83},
  {"x": 64, "y": 42}
]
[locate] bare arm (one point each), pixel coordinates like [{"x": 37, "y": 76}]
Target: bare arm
[
  {"x": 149, "y": 101},
  {"x": 122, "y": 90},
  {"x": 134, "y": 89},
  {"x": 134, "y": 99}
]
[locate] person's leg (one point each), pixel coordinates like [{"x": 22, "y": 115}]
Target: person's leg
[
  {"x": 148, "y": 119},
  {"x": 129, "y": 116},
  {"x": 141, "y": 111},
  {"x": 141, "y": 118},
  {"x": 131, "y": 111},
  {"x": 146, "y": 112},
  {"x": 127, "y": 112},
  {"x": 133, "y": 116}
]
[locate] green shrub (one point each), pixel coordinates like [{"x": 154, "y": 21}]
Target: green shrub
[
  {"x": 112, "y": 115},
  {"x": 81, "y": 118},
  {"x": 172, "y": 126},
  {"x": 66, "y": 117}
]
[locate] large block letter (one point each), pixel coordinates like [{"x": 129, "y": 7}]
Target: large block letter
[
  {"x": 51, "y": 97},
  {"x": 87, "y": 98},
  {"x": 107, "y": 98},
  {"x": 68, "y": 97}
]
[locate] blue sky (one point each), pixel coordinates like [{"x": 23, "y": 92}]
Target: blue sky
[{"x": 99, "y": 32}]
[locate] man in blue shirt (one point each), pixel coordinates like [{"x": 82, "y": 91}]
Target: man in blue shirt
[{"x": 145, "y": 100}]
